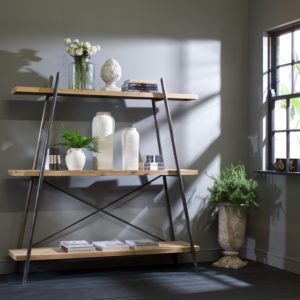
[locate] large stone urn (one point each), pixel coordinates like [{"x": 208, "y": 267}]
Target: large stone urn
[{"x": 232, "y": 227}]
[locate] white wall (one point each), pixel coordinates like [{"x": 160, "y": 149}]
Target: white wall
[
  {"x": 196, "y": 46},
  {"x": 274, "y": 236}
]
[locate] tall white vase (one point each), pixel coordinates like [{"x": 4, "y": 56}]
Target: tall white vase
[
  {"x": 103, "y": 128},
  {"x": 130, "y": 149}
]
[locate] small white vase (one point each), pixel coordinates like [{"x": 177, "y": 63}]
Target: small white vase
[
  {"x": 75, "y": 159},
  {"x": 130, "y": 149},
  {"x": 110, "y": 73},
  {"x": 103, "y": 128}
]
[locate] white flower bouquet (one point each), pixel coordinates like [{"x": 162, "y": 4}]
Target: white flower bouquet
[
  {"x": 81, "y": 72},
  {"x": 78, "y": 48}
]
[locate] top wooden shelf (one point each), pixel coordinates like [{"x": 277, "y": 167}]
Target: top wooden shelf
[{"x": 28, "y": 90}]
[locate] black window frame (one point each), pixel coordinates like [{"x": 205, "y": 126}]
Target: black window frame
[{"x": 273, "y": 94}]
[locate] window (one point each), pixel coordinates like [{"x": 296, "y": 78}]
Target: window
[{"x": 284, "y": 94}]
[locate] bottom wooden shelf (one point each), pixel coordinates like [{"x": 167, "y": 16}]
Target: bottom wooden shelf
[{"x": 57, "y": 253}]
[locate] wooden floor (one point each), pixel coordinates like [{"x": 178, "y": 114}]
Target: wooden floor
[{"x": 254, "y": 282}]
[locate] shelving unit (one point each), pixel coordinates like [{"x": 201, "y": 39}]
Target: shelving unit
[{"x": 38, "y": 175}]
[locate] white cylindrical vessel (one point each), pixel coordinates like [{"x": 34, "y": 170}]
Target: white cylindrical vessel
[
  {"x": 130, "y": 149},
  {"x": 103, "y": 128}
]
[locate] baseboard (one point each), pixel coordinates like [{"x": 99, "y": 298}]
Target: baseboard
[
  {"x": 274, "y": 260},
  {"x": 7, "y": 267}
]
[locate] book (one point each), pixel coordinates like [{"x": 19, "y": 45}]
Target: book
[
  {"x": 153, "y": 166},
  {"x": 140, "y": 87},
  {"x": 139, "y": 91},
  {"x": 110, "y": 245},
  {"x": 142, "y": 244},
  {"x": 145, "y": 81},
  {"x": 74, "y": 246}
]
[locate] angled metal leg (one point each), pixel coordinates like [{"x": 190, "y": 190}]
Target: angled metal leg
[
  {"x": 164, "y": 177},
  {"x": 40, "y": 181},
  {"x": 34, "y": 166},
  {"x": 179, "y": 176}
]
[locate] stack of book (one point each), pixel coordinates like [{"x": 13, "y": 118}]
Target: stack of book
[
  {"x": 76, "y": 246},
  {"x": 142, "y": 244},
  {"x": 153, "y": 162},
  {"x": 139, "y": 85},
  {"x": 114, "y": 245}
]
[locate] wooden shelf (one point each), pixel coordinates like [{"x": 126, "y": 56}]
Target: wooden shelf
[
  {"x": 66, "y": 173},
  {"x": 28, "y": 90},
  {"x": 57, "y": 253}
]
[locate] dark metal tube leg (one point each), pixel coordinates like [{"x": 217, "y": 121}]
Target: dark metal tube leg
[
  {"x": 183, "y": 198},
  {"x": 35, "y": 161},
  {"x": 40, "y": 181},
  {"x": 169, "y": 211}
]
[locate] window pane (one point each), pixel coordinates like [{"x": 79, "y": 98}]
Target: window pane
[
  {"x": 295, "y": 113},
  {"x": 295, "y": 145},
  {"x": 297, "y": 77},
  {"x": 297, "y": 45},
  {"x": 280, "y": 115},
  {"x": 284, "y": 80},
  {"x": 284, "y": 48},
  {"x": 280, "y": 145}
]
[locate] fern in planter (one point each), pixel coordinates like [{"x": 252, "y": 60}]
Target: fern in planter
[
  {"x": 75, "y": 140},
  {"x": 233, "y": 187}
]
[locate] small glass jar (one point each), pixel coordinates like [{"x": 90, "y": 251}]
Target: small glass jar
[{"x": 81, "y": 74}]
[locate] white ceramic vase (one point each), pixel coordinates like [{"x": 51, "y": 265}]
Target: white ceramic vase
[
  {"x": 110, "y": 73},
  {"x": 130, "y": 149},
  {"x": 103, "y": 128},
  {"x": 75, "y": 159}
]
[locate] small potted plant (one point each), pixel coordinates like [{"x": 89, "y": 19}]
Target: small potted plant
[
  {"x": 234, "y": 194},
  {"x": 75, "y": 158}
]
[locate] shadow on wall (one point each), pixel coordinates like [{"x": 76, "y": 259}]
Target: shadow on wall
[
  {"x": 268, "y": 213},
  {"x": 18, "y": 71}
]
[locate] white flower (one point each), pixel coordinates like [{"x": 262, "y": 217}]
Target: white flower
[
  {"x": 79, "y": 52},
  {"x": 67, "y": 41},
  {"x": 87, "y": 45},
  {"x": 78, "y": 48}
]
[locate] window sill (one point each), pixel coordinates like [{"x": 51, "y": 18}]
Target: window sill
[{"x": 273, "y": 172}]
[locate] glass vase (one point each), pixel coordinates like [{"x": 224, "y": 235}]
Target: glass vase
[{"x": 81, "y": 74}]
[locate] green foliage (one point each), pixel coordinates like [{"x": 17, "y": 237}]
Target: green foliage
[
  {"x": 75, "y": 140},
  {"x": 234, "y": 187}
]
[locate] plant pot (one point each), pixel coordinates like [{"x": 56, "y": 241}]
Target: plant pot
[
  {"x": 75, "y": 159},
  {"x": 232, "y": 228}
]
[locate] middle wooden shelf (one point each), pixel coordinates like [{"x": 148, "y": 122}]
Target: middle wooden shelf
[{"x": 67, "y": 173}]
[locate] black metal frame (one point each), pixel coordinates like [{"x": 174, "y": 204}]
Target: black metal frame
[
  {"x": 53, "y": 100},
  {"x": 273, "y": 93}
]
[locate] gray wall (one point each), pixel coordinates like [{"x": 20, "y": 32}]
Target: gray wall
[
  {"x": 274, "y": 231},
  {"x": 196, "y": 46}
]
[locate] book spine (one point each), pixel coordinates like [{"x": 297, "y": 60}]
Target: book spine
[{"x": 138, "y": 81}]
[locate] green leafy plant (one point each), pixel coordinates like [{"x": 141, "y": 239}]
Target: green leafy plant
[
  {"x": 75, "y": 140},
  {"x": 233, "y": 187}
]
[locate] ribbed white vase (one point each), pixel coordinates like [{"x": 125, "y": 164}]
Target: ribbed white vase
[
  {"x": 103, "y": 128},
  {"x": 130, "y": 149}
]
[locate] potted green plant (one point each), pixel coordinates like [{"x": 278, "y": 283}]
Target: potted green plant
[
  {"x": 75, "y": 157},
  {"x": 234, "y": 194}
]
